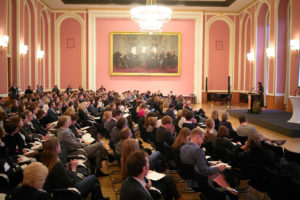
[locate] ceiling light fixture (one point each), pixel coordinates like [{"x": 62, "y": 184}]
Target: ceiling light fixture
[{"x": 151, "y": 17}]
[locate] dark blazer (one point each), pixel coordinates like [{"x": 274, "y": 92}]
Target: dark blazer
[
  {"x": 110, "y": 125},
  {"x": 14, "y": 93},
  {"x": 232, "y": 133},
  {"x": 217, "y": 124},
  {"x": 29, "y": 193},
  {"x": 170, "y": 113},
  {"x": 163, "y": 135},
  {"x": 11, "y": 144},
  {"x": 21, "y": 142},
  {"x": 133, "y": 190},
  {"x": 38, "y": 128},
  {"x": 225, "y": 143},
  {"x": 28, "y": 91},
  {"x": 93, "y": 110},
  {"x": 59, "y": 177},
  {"x": 52, "y": 116},
  {"x": 189, "y": 125}
]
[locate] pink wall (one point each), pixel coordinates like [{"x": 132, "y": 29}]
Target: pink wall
[
  {"x": 70, "y": 60},
  {"x": 236, "y": 67},
  {"x": 295, "y": 35},
  {"x": 242, "y": 66},
  {"x": 3, "y": 61},
  {"x": 248, "y": 85},
  {"x": 282, "y": 47},
  {"x": 218, "y": 58},
  {"x": 261, "y": 44},
  {"x": 182, "y": 84}
]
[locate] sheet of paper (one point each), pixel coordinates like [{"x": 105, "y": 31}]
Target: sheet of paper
[
  {"x": 155, "y": 176},
  {"x": 6, "y": 166},
  {"x": 85, "y": 128}
]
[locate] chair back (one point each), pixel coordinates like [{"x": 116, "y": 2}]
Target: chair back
[
  {"x": 4, "y": 183},
  {"x": 202, "y": 180},
  {"x": 219, "y": 153},
  {"x": 278, "y": 185},
  {"x": 242, "y": 139},
  {"x": 278, "y": 151},
  {"x": 188, "y": 171},
  {"x": 66, "y": 193},
  {"x": 291, "y": 156}
]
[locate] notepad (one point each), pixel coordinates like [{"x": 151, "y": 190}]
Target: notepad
[
  {"x": 155, "y": 176},
  {"x": 87, "y": 138}
]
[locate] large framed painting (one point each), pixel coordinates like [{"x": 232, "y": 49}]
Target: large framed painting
[{"x": 133, "y": 53}]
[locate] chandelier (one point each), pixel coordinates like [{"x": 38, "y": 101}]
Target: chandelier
[{"x": 151, "y": 17}]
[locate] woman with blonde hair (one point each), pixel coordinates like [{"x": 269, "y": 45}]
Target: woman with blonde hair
[
  {"x": 107, "y": 115},
  {"x": 166, "y": 185},
  {"x": 34, "y": 177},
  {"x": 59, "y": 177}
]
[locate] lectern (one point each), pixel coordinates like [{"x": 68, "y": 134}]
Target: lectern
[{"x": 252, "y": 97}]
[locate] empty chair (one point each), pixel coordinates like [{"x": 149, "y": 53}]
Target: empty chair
[{"x": 291, "y": 156}]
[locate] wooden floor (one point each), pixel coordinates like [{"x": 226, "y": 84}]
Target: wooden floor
[{"x": 292, "y": 144}]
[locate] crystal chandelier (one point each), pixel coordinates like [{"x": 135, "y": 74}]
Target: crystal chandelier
[{"x": 151, "y": 17}]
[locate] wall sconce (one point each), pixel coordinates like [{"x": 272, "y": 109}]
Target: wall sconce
[
  {"x": 270, "y": 52},
  {"x": 294, "y": 45},
  {"x": 23, "y": 50},
  {"x": 40, "y": 54},
  {"x": 4, "y": 41},
  {"x": 250, "y": 56}
]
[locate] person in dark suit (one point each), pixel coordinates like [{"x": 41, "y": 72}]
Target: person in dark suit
[
  {"x": 116, "y": 115},
  {"x": 14, "y": 91},
  {"x": 134, "y": 186},
  {"x": 33, "y": 182},
  {"x": 29, "y": 91},
  {"x": 52, "y": 116},
  {"x": 11, "y": 129},
  {"x": 164, "y": 134},
  {"x": 69, "y": 89},
  {"x": 170, "y": 111},
  {"x": 55, "y": 89},
  {"x": 189, "y": 121},
  {"x": 94, "y": 151}
]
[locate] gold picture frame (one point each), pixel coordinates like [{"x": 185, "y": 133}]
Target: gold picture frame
[{"x": 143, "y": 54}]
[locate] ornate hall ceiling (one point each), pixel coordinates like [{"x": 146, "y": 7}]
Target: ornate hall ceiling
[
  {"x": 207, "y": 5},
  {"x": 213, "y": 3}
]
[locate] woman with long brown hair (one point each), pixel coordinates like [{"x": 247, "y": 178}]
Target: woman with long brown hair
[
  {"x": 182, "y": 138},
  {"x": 59, "y": 177}
]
